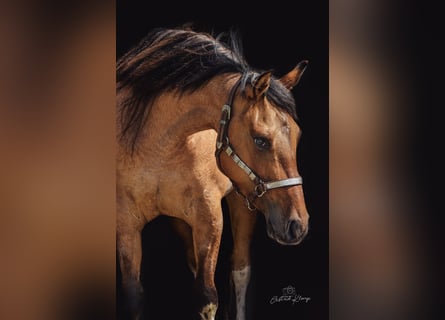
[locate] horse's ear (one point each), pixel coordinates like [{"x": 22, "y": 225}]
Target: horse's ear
[
  {"x": 291, "y": 79},
  {"x": 259, "y": 86}
]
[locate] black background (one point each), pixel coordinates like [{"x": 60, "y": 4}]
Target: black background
[{"x": 274, "y": 37}]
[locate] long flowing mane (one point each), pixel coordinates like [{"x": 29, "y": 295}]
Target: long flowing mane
[{"x": 182, "y": 61}]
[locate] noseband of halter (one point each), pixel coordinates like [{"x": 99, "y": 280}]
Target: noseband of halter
[{"x": 223, "y": 144}]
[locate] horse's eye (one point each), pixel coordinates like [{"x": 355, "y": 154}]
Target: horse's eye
[{"x": 262, "y": 143}]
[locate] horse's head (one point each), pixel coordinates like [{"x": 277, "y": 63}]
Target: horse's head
[{"x": 264, "y": 136}]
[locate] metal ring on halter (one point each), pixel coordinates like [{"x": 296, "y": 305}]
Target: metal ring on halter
[
  {"x": 249, "y": 205},
  {"x": 260, "y": 189}
]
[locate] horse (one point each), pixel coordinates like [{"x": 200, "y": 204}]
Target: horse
[{"x": 196, "y": 124}]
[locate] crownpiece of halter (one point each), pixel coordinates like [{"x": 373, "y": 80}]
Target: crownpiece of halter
[{"x": 223, "y": 144}]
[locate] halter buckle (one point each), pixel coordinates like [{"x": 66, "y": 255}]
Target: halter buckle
[{"x": 226, "y": 108}]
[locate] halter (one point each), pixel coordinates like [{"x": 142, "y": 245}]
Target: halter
[{"x": 223, "y": 144}]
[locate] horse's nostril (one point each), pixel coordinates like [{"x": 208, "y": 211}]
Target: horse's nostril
[{"x": 295, "y": 229}]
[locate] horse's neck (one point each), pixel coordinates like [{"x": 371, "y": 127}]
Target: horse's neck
[{"x": 175, "y": 117}]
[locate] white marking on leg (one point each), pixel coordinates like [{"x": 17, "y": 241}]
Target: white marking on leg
[
  {"x": 208, "y": 312},
  {"x": 193, "y": 270},
  {"x": 241, "y": 280}
]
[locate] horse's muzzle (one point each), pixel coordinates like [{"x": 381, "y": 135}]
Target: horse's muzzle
[{"x": 292, "y": 233}]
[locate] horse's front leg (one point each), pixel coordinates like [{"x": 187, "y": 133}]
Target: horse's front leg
[
  {"x": 243, "y": 223},
  {"x": 207, "y": 230},
  {"x": 129, "y": 248}
]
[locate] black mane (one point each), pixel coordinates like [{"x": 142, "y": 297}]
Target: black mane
[{"x": 183, "y": 61}]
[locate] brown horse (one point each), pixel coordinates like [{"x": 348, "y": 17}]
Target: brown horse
[{"x": 196, "y": 124}]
